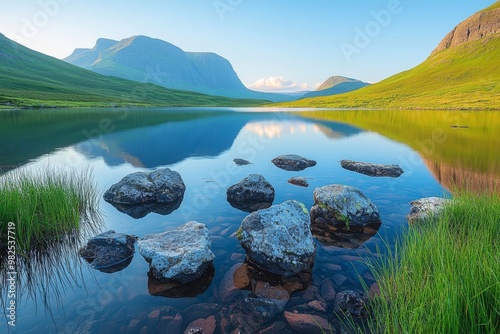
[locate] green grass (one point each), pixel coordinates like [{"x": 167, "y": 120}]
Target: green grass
[
  {"x": 45, "y": 205},
  {"x": 463, "y": 77},
  {"x": 32, "y": 79},
  {"x": 444, "y": 277}
]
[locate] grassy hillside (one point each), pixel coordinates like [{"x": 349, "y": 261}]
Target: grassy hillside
[
  {"x": 462, "y": 77},
  {"x": 32, "y": 79},
  {"x": 466, "y": 77}
]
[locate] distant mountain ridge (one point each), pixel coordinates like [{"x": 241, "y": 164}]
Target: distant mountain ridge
[
  {"x": 32, "y": 79},
  {"x": 149, "y": 60},
  {"x": 336, "y": 85}
]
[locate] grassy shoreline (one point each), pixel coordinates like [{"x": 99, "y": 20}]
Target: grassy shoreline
[
  {"x": 444, "y": 277},
  {"x": 45, "y": 205}
]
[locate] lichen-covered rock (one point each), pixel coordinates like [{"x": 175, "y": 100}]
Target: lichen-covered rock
[
  {"x": 343, "y": 205},
  {"x": 279, "y": 239},
  {"x": 182, "y": 254},
  {"x": 293, "y": 162},
  {"x": 371, "y": 169},
  {"x": 161, "y": 186},
  {"x": 109, "y": 250},
  {"x": 252, "y": 193},
  {"x": 426, "y": 208}
]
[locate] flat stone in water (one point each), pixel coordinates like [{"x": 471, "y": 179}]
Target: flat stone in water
[
  {"x": 293, "y": 162},
  {"x": 299, "y": 181},
  {"x": 371, "y": 169},
  {"x": 241, "y": 162}
]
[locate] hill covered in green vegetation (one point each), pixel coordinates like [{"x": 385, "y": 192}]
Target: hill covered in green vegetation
[
  {"x": 31, "y": 79},
  {"x": 463, "y": 72}
]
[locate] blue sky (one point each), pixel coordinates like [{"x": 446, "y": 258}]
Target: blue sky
[{"x": 272, "y": 44}]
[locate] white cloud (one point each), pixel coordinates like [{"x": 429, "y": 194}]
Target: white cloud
[{"x": 277, "y": 84}]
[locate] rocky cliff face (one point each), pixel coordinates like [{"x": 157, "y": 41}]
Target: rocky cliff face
[{"x": 479, "y": 26}]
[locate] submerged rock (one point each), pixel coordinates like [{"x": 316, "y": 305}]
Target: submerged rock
[
  {"x": 279, "y": 239},
  {"x": 162, "y": 186},
  {"x": 241, "y": 162},
  {"x": 426, "y": 208},
  {"x": 343, "y": 205},
  {"x": 252, "y": 193},
  {"x": 182, "y": 254},
  {"x": 371, "y": 169},
  {"x": 109, "y": 251},
  {"x": 299, "y": 181},
  {"x": 308, "y": 323},
  {"x": 292, "y": 162},
  {"x": 351, "y": 302}
]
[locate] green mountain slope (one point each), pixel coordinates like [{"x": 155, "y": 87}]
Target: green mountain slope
[
  {"x": 462, "y": 73},
  {"x": 31, "y": 79}
]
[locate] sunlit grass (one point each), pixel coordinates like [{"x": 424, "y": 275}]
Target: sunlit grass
[
  {"x": 45, "y": 205},
  {"x": 444, "y": 277}
]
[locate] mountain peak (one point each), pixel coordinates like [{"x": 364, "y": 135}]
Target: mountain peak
[
  {"x": 334, "y": 81},
  {"x": 104, "y": 43},
  {"x": 481, "y": 25}
]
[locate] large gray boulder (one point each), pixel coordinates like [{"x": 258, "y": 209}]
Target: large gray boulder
[
  {"x": 279, "y": 239},
  {"x": 293, "y": 162},
  {"x": 109, "y": 251},
  {"x": 252, "y": 193},
  {"x": 161, "y": 186},
  {"x": 343, "y": 205},
  {"x": 371, "y": 169},
  {"x": 426, "y": 209},
  {"x": 182, "y": 254}
]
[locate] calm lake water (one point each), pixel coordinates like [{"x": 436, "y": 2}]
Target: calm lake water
[{"x": 437, "y": 150}]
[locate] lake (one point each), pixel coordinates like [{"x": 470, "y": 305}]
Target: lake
[{"x": 58, "y": 292}]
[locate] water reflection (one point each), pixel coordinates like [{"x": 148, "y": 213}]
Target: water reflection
[
  {"x": 210, "y": 136},
  {"x": 352, "y": 238},
  {"x": 138, "y": 211},
  {"x": 176, "y": 289},
  {"x": 201, "y": 146},
  {"x": 459, "y": 147}
]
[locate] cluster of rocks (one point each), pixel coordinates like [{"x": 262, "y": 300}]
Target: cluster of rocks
[{"x": 278, "y": 241}]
